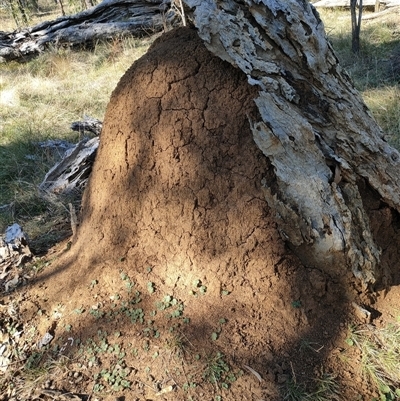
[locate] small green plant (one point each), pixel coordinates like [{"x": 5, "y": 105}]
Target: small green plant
[
  {"x": 116, "y": 378},
  {"x": 306, "y": 345},
  {"x": 189, "y": 385},
  {"x": 170, "y": 302},
  {"x": 296, "y": 304},
  {"x": 198, "y": 286},
  {"x": 217, "y": 369},
  {"x": 97, "y": 313},
  {"x": 136, "y": 315},
  {"x": 33, "y": 362},
  {"x": 151, "y": 287},
  {"x": 203, "y": 289},
  {"x": 326, "y": 389}
]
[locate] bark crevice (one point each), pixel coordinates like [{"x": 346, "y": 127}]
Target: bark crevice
[{"x": 313, "y": 127}]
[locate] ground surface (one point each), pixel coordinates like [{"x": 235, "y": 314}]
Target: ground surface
[{"x": 178, "y": 285}]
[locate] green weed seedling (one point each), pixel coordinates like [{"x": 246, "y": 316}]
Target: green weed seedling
[
  {"x": 97, "y": 313},
  {"x": 216, "y": 370},
  {"x": 215, "y": 335},
  {"x": 136, "y": 315},
  {"x": 306, "y": 345},
  {"x": 33, "y": 362},
  {"x": 170, "y": 302},
  {"x": 128, "y": 282},
  {"x": 129, "y": 309},
  {"x": 189, "y": 385},
  {"x": 151, "y": 332},
  {"x": 292, "y": 391},
  {"x": 151, "y": 287},
  {"x": 79, "y": 311},
  {"x": 116, "y": 378},
  {"x": 203, "y": 289},
  {"x": 296, "y": 304},
  {"x": 198, "y": 286}
]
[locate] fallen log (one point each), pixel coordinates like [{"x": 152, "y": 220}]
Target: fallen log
[
  {"x": 73, "y": 171},
  {"x": 14, "y": 251},
  {"x": 106, "y": 20},
  {"x": 389, "y": 11},
  {"x": 89, "y": 124},
  {"x": 383, "y": 4}
]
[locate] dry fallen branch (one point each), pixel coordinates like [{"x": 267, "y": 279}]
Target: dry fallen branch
[{"x": 108, "y": 19}]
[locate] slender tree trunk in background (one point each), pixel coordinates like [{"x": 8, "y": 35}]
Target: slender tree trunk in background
[
  {"x": 356, "y": 24},
  {"x": 18, "y": 12},
  {"x": 313, "y": 126},
  {"x": 13, "y": 12},
  {"x": 23, "y": 12},
  {"x": 86, "y": 4},
  {"x": 35, "y": 5},
  {"x": 60, "y": 2}
]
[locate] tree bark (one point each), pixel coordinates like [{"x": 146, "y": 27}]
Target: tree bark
[
  {"x": 108, "y": 19},
  {"x": 313, "y": 126}
]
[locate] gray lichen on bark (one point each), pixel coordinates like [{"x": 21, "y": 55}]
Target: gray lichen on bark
[{"x": 314, "y": 127}]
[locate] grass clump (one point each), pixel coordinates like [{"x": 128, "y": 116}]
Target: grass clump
[
  {"x": 380, "y": 357},
  {"x": 38, "y": 101},
  {"x": 325, "y": 388}
]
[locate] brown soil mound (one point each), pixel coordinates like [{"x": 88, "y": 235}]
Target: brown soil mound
[{"x": 174, "y": 210}]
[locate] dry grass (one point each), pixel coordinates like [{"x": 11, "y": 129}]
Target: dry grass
[
  {"x": 38, "y": 101},
  {"x": 48, "y": 10},
  {"x": 380, "y": 357},
  {"x": 376, "y": 70}
]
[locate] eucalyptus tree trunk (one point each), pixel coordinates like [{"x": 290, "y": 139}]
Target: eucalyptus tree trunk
[
  {"x": 313, "y": 126},
  {"x": 356, "y": 24}
]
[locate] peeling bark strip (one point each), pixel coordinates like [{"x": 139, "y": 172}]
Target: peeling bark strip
[
  {"x": 313, "y": 126},
  {"x": 108, "y": 19}
]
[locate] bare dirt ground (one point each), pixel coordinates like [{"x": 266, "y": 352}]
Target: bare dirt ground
[{"x": 178, "y": 285}]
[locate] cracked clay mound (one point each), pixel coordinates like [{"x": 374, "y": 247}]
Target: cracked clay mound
[{"x": 175, "y": 202}]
